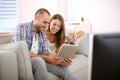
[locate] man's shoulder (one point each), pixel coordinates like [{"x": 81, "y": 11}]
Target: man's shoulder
[{"x": 25, "y": 25}]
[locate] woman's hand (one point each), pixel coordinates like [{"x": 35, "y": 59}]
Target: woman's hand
[
  {"x": 66, "y": 62},
  {"x": 54, "y": 59}
]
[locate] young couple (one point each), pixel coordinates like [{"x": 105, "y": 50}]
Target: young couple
[{"x": 44, "y": 36}]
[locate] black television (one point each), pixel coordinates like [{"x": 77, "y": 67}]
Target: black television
[{"x": 105, "y": 57}]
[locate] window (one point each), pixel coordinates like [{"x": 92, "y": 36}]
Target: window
[
  {"x": 77, "y": 9},
  {"x": 8, "y": 15}
]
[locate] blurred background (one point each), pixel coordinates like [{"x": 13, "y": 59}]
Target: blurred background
[{"x": 90, "y": 16}]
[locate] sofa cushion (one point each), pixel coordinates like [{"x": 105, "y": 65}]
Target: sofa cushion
[
  {"x": 83, "y": 44},
  {"x": 79, "y": 62},
  {"x": 79, "y": 66},
  {"x": 23, "y": 59},
  {"x": 8, "y": 64}
]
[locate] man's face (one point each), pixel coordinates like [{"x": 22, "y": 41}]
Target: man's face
[{"x": 42, "y": 23}]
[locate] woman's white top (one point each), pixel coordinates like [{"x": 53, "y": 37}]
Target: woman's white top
[
  {"x": 34, "y": 47},
  {"x": 52, "y": 47}
]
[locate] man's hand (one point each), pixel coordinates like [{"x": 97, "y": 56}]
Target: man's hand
[
  {"x": 66, "y": 62},
  {"x": 52, "y": 59}
]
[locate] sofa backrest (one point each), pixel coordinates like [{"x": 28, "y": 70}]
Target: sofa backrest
[
  {"x": 5, "y": 38},
  {"x": 83, "y": 44}
]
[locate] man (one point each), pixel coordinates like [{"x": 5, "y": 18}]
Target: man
[{"x": 34, "y": 35}]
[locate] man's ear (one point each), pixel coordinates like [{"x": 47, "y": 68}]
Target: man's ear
[{"x": 35, "y": 18}]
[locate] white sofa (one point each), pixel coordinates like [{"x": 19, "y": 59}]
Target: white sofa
[{"x": 15, "y": 63}]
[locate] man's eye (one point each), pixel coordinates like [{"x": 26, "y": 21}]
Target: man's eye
[{"x": 45, "y": 22}]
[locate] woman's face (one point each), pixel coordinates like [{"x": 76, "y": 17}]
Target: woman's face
[{"x": 55, "y": 26}]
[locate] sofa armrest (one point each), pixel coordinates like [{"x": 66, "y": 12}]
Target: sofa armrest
[
  {"x": 8, "y": 66},
  {"x": 23, "y": 59}
]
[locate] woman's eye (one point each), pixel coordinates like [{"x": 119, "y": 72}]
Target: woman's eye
[{"x": 54, "y": 24}]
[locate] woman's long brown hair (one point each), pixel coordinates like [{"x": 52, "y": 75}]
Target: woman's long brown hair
[{"x": 60, "y": 35}]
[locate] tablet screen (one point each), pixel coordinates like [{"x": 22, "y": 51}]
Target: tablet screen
[{"x": 67, "y": 50}]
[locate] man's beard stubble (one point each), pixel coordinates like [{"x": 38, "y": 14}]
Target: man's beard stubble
[{"x": 37, "y": 28}]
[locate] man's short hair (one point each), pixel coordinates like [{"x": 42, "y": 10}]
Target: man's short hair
[{"x": 41, "y": 11}]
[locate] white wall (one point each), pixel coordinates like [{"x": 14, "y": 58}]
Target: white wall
[
  {"x": 105, "y": 15},
  {"x": 101, "y": 15},
  {"x": 27, "y": 8}
]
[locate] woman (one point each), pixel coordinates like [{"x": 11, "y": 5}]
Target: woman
[
  {"x": 56, "y": 37},
  {"x": 56, "y": 33}
]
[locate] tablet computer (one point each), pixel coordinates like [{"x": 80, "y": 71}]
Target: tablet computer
[{"x": 67, "y": 51}]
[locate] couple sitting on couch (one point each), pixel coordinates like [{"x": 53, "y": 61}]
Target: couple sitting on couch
[{"x": 33, "y": 33}]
